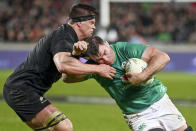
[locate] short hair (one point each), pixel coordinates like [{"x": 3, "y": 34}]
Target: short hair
[
  {"x": 79, "y": 10},
  {"x": 93, "y": 47}
]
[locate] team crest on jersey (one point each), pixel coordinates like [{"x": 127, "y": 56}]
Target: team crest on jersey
[
  {"x": 142, "y": 126},
  {"x": 42, "y": 99}
]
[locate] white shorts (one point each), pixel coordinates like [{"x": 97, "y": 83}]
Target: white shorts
[{"x": 162, "y": 113}]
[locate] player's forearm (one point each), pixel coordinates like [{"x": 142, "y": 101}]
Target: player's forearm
[
  {"x": 156, "y": 63},
  {"x": 66, "y": 64},
  {"x": 75, "y": 67},
  {"x": 70, "y": 65},
  {"x": 80, "y": 69}
]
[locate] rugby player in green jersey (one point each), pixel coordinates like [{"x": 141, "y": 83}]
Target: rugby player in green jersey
[{"x": 145, "y": 108}]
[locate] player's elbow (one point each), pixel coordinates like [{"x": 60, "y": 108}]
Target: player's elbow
[
  {"x": 64, "y": 78},
  {"x": 167, "y": 58},
  {"x": 62, "y": 61},
  {"x": 164, "y": 57}
]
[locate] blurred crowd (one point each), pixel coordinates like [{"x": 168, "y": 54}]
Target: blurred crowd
[
  {"x": 28, "y": 20},
  {"x": 167, "y": 22}
]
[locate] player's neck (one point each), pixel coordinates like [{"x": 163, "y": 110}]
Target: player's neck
[{"x": 78, "y": 32}]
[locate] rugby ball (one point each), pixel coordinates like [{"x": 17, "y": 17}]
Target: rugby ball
[{"x": 136, "y": 65}]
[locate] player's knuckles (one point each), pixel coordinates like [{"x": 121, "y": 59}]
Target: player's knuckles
[
  {"x": 84, "y": 46},
  {"x": 76, "y": 46},
  {"x": 84, "y": 42},
  {"x": 80, "y": 48}
]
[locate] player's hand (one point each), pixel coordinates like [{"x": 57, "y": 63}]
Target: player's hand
[
  {"x": 79, "y": 47},
  {"x": 106, "y": 71},
  {"x": 135, "y": 78}
]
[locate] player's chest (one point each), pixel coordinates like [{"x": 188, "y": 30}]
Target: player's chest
[{"x": 119, "y": 66}]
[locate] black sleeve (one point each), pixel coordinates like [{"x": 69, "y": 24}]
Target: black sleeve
[
  {"x": 61, "y": 46},
  {"x": 91, "y": 62}
]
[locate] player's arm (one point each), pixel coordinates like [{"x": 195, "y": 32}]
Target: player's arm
[
  {"x": 67, "y": 64},
  {"x": 156, "y": 60},
  {"x": 67, "y": 78},
  {"x": 79, "y": 48}
]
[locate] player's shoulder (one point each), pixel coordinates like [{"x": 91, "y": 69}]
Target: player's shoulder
[
  {"x": 130, "y": 45},
  {"x": 65, "y": 32},
  {"x": 60, "y": 31},
  {"x": 122, "y": 44}
]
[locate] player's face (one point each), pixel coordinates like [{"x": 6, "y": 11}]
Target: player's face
[
  {"x": 106, "y": 55},
  {"x": 88, "y": 28}
]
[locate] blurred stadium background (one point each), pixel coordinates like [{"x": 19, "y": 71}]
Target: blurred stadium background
[{"x": 169, "y": 25}]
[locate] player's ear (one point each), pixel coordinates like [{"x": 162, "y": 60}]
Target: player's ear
[{"x": 78, "y": 24}]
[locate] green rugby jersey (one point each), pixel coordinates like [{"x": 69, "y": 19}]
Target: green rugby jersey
[{"x": 130, "y": 99}]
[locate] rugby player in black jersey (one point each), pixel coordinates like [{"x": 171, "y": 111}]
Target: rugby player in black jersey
[{"x": 24, "y": 89}]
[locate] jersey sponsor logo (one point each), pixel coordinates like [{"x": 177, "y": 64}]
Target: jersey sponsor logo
[
  {"x": 162, "y": 89},
  {"x": 180, "y": 117},
  {"x": 141, "y": 127},
  {"x": 42, "y": 99}
]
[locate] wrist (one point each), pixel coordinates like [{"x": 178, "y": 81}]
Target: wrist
[
  {"x": 144, "y": 76},
  {"x": 96, "y": 69},
  {"x": 75, "y": 56},
  {"x": 74, "y": 53}
]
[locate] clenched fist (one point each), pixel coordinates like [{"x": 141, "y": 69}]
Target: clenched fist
[{"x": 79, "y": 47}]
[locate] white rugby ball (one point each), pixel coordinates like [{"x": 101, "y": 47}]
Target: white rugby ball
[{"x": 136, "y": 65}]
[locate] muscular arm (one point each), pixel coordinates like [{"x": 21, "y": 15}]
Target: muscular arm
[
  {"x": 70, "y": 65},
  {"x": 156, "y": 60}
]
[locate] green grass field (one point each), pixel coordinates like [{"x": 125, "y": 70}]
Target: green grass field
[
  {"x": 98, "y": 117},
  {"x": 180, "y": 86},
  {"x": 85, "y": 117}
]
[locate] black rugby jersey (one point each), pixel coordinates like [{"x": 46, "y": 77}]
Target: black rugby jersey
[{"x": 38, "y": 72}]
